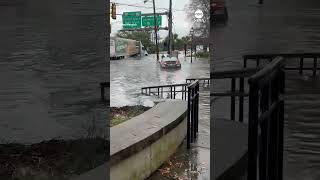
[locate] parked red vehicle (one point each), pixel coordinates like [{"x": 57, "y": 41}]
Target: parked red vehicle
[
  {"x": 170, "y": 62},
  {"x": 218, "y": 10}
]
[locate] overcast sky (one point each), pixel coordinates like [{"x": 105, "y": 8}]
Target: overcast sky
[{"x": 181, "y": 25}]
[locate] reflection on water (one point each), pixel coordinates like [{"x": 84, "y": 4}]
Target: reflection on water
[
  {"x": 51, "y": 62},
  {"x": 277, "y": 27},
  {"x": 128, "y": 76}
]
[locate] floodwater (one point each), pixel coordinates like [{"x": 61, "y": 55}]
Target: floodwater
[
  {"x": 130, "y": 75},
  {"x": 52, "y": 59},
  {"x": 276, "y": 27}
]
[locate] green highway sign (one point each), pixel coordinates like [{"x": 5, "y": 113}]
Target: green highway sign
[
  {"x": 131, "y": 20},
  {"x": 148, "y": 21}
]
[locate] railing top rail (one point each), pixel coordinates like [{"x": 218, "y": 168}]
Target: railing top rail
[
  {"x": 170, "y": 85},
  {"x": 267, "y": 70},
  {"x": 198, "y": 79},
  {"x": 286, "y": 55},
  {"x": 193, "y": 84},
  {"x": 245, "y": 72}
]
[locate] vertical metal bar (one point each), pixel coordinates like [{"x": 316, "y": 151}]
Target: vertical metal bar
[
  {"x": 158, "y": 91},
  {"x": 301, "y": 66},
  {"x": 281, "y": 126},
  {"x": 192, "y": 113},
  {"x": 253, "y": 132},
  {"x": 233, "y": 99},
  {"x": 170, "y": 92},
  {"x": 174, "y": 92},
  {"x": 188, "y": 120},
  {"x": 263, "y": 163},
  {"x": 245, "y": 62},
  {"x": 258, "y": 62},
  {"x": 314, "y": 66},
  {"x": 197, "y": 110},
  {"x": 241, "y": 99}
]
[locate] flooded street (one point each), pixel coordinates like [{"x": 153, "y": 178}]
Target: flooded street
[
  {"x": 276, "y": 27},
  {"x": 52, "y": 59},
  {"x": 127, "y": 78}
]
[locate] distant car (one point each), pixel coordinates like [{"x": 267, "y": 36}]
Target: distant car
[
  {"x": 219, "y": 10},
  {"x": 170, "y": 62}
]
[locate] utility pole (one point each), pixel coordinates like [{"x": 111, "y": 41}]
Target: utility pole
[
  {"x": 155, "y": 29},
  {"x": 170, "y": 29}
]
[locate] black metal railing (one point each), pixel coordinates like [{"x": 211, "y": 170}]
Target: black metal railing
[
  {"x": 171, "y": 90},
  {"x": 266, "y": 112},
  {"x": 103, "y": 87},
  {"x": 203, "y": 81},
  {"x": 193, "y": 112},
  {"x": 190, "y": 93},
  {"x": 234, "y": 75},
  {"x": 300, "y": 56}
]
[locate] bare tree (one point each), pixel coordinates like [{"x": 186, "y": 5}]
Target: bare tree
[{"x": 201, "y": 28}]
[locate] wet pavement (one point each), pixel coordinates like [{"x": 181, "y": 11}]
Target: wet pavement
[
  {"x": 285, "y": 26},
  {"x": 52, "y": 59},
  {"x": 127, "y": 78}
]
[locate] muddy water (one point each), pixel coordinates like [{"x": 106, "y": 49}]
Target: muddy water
[
  {"x": 52, "y": 58},
  {"x": 128, "y": 76}
]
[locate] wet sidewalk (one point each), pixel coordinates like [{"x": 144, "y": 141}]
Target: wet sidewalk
[
  {"x": 192, "y": 164},
  {"x": 289, "y": 26}
]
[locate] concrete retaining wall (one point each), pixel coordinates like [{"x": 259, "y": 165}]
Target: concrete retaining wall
[{"x": 141, "y": 145}]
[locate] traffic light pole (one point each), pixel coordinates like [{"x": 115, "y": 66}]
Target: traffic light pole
[
  {"x": 155, "y": 29},
  {"x": 170, "y": 29}
]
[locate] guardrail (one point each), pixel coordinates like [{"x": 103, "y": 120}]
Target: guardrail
[
  {"x": 173, "y": 90},
  {"x": 266, "y": 110},
  {"x": 203, "y": 81},
  {"x": 193, "y": 112},
  {"x": 234, "y": 75},
  {"x": 190, "y": 92},
  {"x": 301, "y": 56}
]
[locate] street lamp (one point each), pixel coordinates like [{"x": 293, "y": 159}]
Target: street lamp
[{"x": 191, "y": 33}]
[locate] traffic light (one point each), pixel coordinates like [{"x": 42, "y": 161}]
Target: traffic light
[{"x": 113, "y": 11}]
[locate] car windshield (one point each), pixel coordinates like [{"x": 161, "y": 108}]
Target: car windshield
[{"x": 169, "y": 59}]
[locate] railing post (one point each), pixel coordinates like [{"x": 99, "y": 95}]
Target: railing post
[
  {"x": 281, "y": 125},
  {"x": 315, "y": 66},
  {"x": 301, "y": 66},
  {"x": 233, "y": 99},
  {"x": 253, "y": 132},
  {"x": 241, "y": 98},
  {"x": 174, "y": 92},
  {"x": 188, "y": 120}
]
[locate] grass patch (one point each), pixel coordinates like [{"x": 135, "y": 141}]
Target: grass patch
[
  {"x": 203, "y": 54},
  {"x": 122, "y": 114}
]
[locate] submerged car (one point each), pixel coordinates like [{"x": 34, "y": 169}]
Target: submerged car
[
  {"x": 170, "y": 62},
  {"x": 219, "y": 10}
]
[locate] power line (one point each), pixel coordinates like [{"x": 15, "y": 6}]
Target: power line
[{"x": 146, "y": 7}]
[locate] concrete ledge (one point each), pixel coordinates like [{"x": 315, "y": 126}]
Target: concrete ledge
[
  {"x": 139, "y": 146},
  {"x": 230, "y": 149}
]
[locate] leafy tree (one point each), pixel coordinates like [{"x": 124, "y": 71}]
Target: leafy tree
[{"x": 200, "y": 28}]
